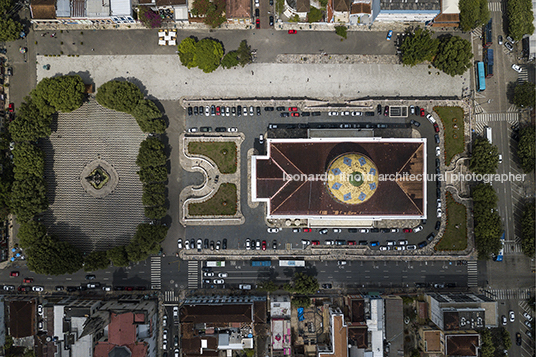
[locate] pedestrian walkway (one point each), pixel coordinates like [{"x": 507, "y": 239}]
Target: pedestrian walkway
[
  {"x": 472, "y": 273},
  {"x": 170, "y": 296},
  {"x": 512, "y": 108},
  {"x": 523, "y": 76},
  {"x": 512, "y": 247},
  {"x": 496, "y": 7},
  {"x": 509, "y": 294},
  {"x": 525, "y": 305},
  {"x": 156, "y": 273},
  {"x": 482, "y": 120},
  {"x": 193, "y": 274}
]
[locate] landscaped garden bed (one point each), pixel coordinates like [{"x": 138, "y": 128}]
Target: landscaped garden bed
[
  {"x": 223, "y": 203},
  {"x": 453, "y": 126},
  {"x": 222, "y": 153},
  {"x": 455, "y": 235}
]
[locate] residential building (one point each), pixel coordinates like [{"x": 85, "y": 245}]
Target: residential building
[
  {"x": 431, "y": 340},
  {"x": 394, "y": 325},
  {"x": 366, "y": 328},
  {"x": 238, "y": 11},
  {"x": 338, "y": 344},
  {"x": 361, "y": 12},
  {"x": 462, "y": 344},
  {"x": 407, "y": 11},
  {"x": 280, "y": 313},
  {"x": 338, "y": 11},
  {"x": 449, "y": 16},
  {"x": 87, "y": 12},
  {"x": 298, "y": 8}
]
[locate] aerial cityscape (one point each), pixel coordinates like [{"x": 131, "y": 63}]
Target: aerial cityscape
[{"x": 265, "y": 178}]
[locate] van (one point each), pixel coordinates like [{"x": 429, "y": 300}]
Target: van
[{"x": 244, "y": 286}]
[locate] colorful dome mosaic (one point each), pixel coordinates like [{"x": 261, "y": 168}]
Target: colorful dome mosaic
[{"x": 352, "y": 178}]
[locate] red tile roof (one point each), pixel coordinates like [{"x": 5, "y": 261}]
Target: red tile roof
[{"x": 121, "y": 333}]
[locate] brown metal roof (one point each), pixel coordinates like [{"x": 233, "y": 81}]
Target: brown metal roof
[
  {"x": 313, "y": 198},
  {"x": 170, "y": 2},
  {"x": 360, "y": 8},
  {"x": 216, "y": 313},
  {"x": 43, "y": 9},
  {"x": 358, "y": 311},
  {"x": 462, "y": 344},
  {"x": 341, "y": 5},
  {"x": 238, "y": 9},
  {"x": 358, "y": 336},
  {"x": 21, "y": 318}
]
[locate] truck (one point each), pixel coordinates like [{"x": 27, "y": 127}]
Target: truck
[
  {"x": 292, "y": 263},
  {"x": 261, "y": 263},
  {"x": 487, "y": 132},
  {"x": 216, "y": 264}
]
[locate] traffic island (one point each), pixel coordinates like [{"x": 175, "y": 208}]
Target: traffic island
[
  {"x": 455, "y": 234},
  {"x": 452, "y": 119}
]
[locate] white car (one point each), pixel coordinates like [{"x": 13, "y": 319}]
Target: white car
[
  {"x": 439, "y": 212},
  {"x": 175, "y": 311},
  {"x": 411, "y": 247},
  {"x": 164, "y": 320},
  {"x": 273, "y": 230},
  {"x": 199, "y": 244},
  {"x": 345, "y": 113},
  {"x": 333, "y": 114},
  {"x": 164, "y": 345},
  {"x": 430, "y": 118},
  {"x": 232, "y": 130},
  {"x": 192, "y": 130},
  {"x": 248, "y": 244},
  {"x": 341, "y": 262},
  {"x": 256, "y": 3},
  {"x": 186, "y": 244},
  {"x": 40, "y": 309},
  {"x": 176, "y": 352},
  {"x": 164, "y": 335},
  {"x": 356, "y": 114},
  {"x": 179, "y": 243},
  {"x": 208, "y": 274},
  {"x": 417, "y": 229},
  {"x": 219, "y": 281},
  {"x": 329, "y": 242},
  {"x": 37, "y": 288},
  {"x": 207, "y": 111},
  {"x": 516, "y": 68},
  {"x": 382, "y": 247},
  {"x": 305, "y": 242},
  {"x": 106, "y": 288},
  {"x": 437, "y": 151},
  {"x": 222, "y": 275},
  {"x": 391, "y": 242},
  {"x": 337, "y": 230},
  {"x": 364, "y": 230}
]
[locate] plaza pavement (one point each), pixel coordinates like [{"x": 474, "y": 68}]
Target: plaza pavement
[{"x": 164, "y": 78}]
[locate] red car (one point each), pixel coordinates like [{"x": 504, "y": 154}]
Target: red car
[
  {"x": 28, "y": 280},
  {"x": 218, "y": 110},
  {"x": 307, "y": 230},
  {"x": 258, "y": 24},
  {"x": 14, "y": 273},
  {"x": 24, "y": 288},
  {"x": 408, "y": 230},
  {"x": 436, "y": 128},
  {"x": 386, "y": 111},
  {"x": 11, "y": 107},
  {"x": 263, "y": 245},
  {"x": 422, "y": 112},
  {"x": 295, "y": 114},
  {"x": 292, "y": 32},
  {"x": 352, "y": 242},
  {"x": 129, "y": 288},
  {"x": 315, "y": 242}
]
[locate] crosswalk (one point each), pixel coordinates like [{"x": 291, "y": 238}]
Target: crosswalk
[
  {"x": 478, "y": 31},
  {"x": 496, "y": 7},
  {"x": 482, "y": 119},
  {"x": 169, "y": 295},
  {"x": 525, "y": 305},
  {"x": 523, "y": 76},
  {"x": 512, "y": 247},
  {"x": 156, "y": 273},
  {"x": 193, "y": 274},
  {"x": 472, "y": 273},
  {"x": 509, "y": 294}
]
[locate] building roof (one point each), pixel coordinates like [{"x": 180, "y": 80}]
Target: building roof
[
  {"x": 411, "y": 6},
  {"x": 78, "y": 8},
  {"x": 341, "y": 5},
  {"x": 446, "y": 20},
  {"x": 450, "y": 7},
  {"x": 358, "y": 310},
  {"x": 121, "y": 7},
  {"x": 305, "y": 197},
  {"x": 192, "y": 346},
  {"x": 259, "y": 308},
  {"x": 43, "y": 9},
  {"x": 462, "y": 344},
  {"x": 238, "y": 9},
  {"x": 432, "y": 340},
  {"x": 122, "y": 338},
  {"x": 361, "y": 8},
  {"x": 394, "y": 324},
  {"x": 21, "y": 318},
  {"x": 339, "y": 335},
  {"x": 170, "y": 2},
  {"x": 216, "y": 313},
  {"x": 358, "y": 336},
  {"x": 303, "y": 5}
]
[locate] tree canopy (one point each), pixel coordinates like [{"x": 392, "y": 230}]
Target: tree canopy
[
  {"x": 527, "y": 230},
  {"x": 473, "y": 13},
  {"x": 28, "y": 197},
  {"x": 30, "y": 123},
  {"x": 52, "y": 257},
  {"x": 9, "y": 29},
  {"x": 208, "y": 54},
  {"x": 230, "y": 60},
  {"x": 30, "y": 233},
  {"x": 341, "y": 31},
  {"x": 151, "y": 19},
  {"x": 303, "y": 284},
  {"x": 28, "y": 159},
  {"x": 148, "y": 117},
  {"x": 212, "y": 12},
  {"x": 520, "y": 18},
  {"x": 244, "y": 53},
  {"x": 419, "y": 46},
  {"x": 119, "y": 95},
  {"x": 96, "y": 261},
  {"x": 151, "y": 153},
  {"x": 156, "y": 212},
  {"x": 118, "y": 256},
  {"x": 454, "y": 55},
  {"x": 488, "y": 225},
  {"x": 187, "y": 52},
  {"x": 64, "y": 94},
  {"x": 314, "y": 15},
  {"x": 524, "y": 94},
  {"x": 485, "y": 157},
  {"x": 153, "y": 174},
  {"x": 487, "y": 348},
  {"x": 526, "y": 149},
  {"x": 268, "y": 286},
  {"x": 146, "y": 241}
]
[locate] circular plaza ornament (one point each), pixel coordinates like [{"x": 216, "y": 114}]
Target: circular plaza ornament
[
  {"x": 352, "y": 178},
  {"x": 99, "y": 178}
]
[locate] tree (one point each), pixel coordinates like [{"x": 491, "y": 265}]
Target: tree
[
  {"x": 268, "y": 286},
  {"x": 211, "y": 11},
  {"x": 488, "y": 226},
  {"x": 419, "y": 46},
  {"x": 485, "y": 158},
  {"x": 150, "y": 18},
  {"x": 473, "y": 14},
  {"x": 146, "y": 241},
  {"x": 520, "y": 18},
  {"x": 30, "y": 123},
  {"x": 526, "y": 149},
  {"x": 64, "y": 93},
  {"x": 244, "y": 53},
  {"x": 147, "y": 115},
  {"x": 454, "y": 55},
  {"x": 5, "y": 6},
  {"x": 230, "y": 60},
  {"x": 153, "y": 174},
  {"x": 28, "y": 159},
  {"x": 30, "y": 233},
  {"x": 96, "y": 261},
  {"x": 507, "y": 340},
  {"x": 157, "y": 212},
  {"x": 304, "y": 284},
  {"x": 154, "y": 195},
  {"x": 119, "y": 95},
  {"x": 10, "y": 29},
  {"x": 323, "y": 3},
  {"x": 484, "y": 198},
  {"x": 341, "y": 31},
  {"x": 301, "y": 301},
  {"x": 52, "y": 257},
  {"x": 487, "y": 349},
  {"x": 187, "y": 49},
  {"x": 28, "y": 197},
  {"x": 151, "y": 153},
  {"x": 527, "y": 230},
  {"x": 315, "y": 15},
  {"x": 415, "y": 353},
  {"x": 208, "y": 54},
  {"x": 118, "y": 256},
  {"x": 524, "y": 95}
]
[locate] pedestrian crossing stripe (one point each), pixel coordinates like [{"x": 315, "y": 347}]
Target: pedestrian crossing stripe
[
  {"x": 509, "y": 294},
  {"x": 495, "y": 6},
  {"x": 193, "y": 274},
  {"x": 169, "y": 295},
  {"x": 472, "y": 273},
  {"x": 156, "y": 273},
  {"x": 483, "y": 119}
]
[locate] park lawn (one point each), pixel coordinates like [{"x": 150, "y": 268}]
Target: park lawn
[
  {"x": 453, "y": 145},
  {"x": 222, "y": 153},
  {"x": 223, "y": 203},
  {"x": 454, "y": 238}
]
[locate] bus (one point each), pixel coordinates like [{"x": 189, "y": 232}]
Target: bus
[
  {"x": 488, "y": 63},
  {"x": 499, "y": 257},
  {"x": 216, "y": 264},
  {"x": 292, "y": 263},
  {"x": 481, "y": 76},
  {"x": 487, "y": 33},
  {"x": 261, "y": 263}
]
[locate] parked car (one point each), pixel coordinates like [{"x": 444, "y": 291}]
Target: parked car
[
  {"x": 271, "y": 19},
  {"x": 516, "y": 68},
  {"x": 327, "y": 286},
  {"x": 500, "y": 40},
  {"x": 412, "y": 109},
  {"x": 14, "y": 273},
  {"x": 28, "y": 280},
  {"x": 422, "y": 112},
  {"x": 323, "y": 231},
  {"x": 417, "y": 229},
  {"x": 414, "y": 122},
  {"x": 389, "y": 35},
  {"x": 248, "y": 244},
  {"x": 37, "y": 288},
  {"x": 258, "y": 23},
  {"x": 518, "y": 339},
  {"x": 527, "y": 316},
  {"x": 509, "y": 46},
  {"x": 512, "y": 316},
  {"x": 292, "y": 32},
  {"x": 273, "y": 230}
]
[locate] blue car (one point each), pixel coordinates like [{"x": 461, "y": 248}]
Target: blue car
[
  {"x": 389, "y": 35},
  {"x": 374, "y": 244}
]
